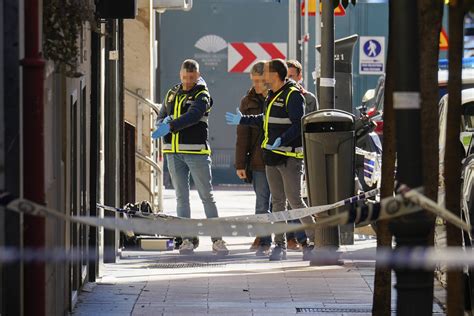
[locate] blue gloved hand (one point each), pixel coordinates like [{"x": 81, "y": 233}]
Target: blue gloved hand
[
  {"x": 161, "y": 131},
  {"x": 233, "y": 119},
  {"x": 275, "y": 145},
  {"x": 166, "y": 120}
]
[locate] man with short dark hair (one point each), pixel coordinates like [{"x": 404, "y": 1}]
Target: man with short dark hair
[
  {"x": 282, "y": 147},
  {"x": 295, "y": 73},
  {"x": 183, "y": 124}
]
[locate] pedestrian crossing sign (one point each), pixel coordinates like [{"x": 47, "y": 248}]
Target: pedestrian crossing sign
[{"x": 372, "y": 55}]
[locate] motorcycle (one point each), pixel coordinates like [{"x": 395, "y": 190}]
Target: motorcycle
[{"x": 368, "y": 133}]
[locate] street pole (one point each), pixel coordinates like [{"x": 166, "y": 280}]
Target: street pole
[
  {"x": 327, "y": 82},
  {"x": 292, "y": 34},
  {"x": 306, "y": 43},
  {"x": 414, "y": 287},
  {"x": 317, "y": 41},
  {"x": 327, "y": 236},
  {"x": 112, "y": 126}
]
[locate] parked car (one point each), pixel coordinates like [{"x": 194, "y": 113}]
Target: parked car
[{"x": 466, "y": 145}]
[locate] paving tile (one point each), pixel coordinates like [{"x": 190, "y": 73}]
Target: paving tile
[
  {"x": 147, "y": 311},
  {"x": 181, "y": 313},
  {"x": 274, "y": 312},
  {"x": 293, "y": 305},
  {"x": 102, "y": 313},
  {"x": 218, "y": 313},
  {"x": 186, "y": 304},
  {"x": 233, "y": 305}
]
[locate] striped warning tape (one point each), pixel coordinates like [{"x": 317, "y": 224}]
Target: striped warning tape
[
  {"x": 168, "y": 226},
  {"x": 262, "y": 218},
  {"x": 407, "y": 202}
]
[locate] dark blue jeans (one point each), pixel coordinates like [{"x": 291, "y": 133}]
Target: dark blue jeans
[{"x": 262, "y": 204}]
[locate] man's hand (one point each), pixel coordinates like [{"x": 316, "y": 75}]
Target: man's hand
[
  {"x": 166, "y": 120},
  {"x": 275, "y": 145},
  {"x": 161, "y": 131},
  {"x": 233, "y": 119},
  {"x": 241, "y": 173}
]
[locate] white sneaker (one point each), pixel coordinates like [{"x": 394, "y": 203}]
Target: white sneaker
[
  {"x": 186, "y": 248},
  {"x": 220, "y": 248}
]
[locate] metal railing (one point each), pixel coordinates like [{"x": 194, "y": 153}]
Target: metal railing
[
  {"x": 154, "y": 106},
  {"x": 156, "y": 181},
  {"x": 149, "y": 161}
]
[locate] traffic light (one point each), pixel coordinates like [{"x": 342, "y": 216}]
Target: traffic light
[
  {"x": 113, "y": 9},
  {"x": 345, "y": 3}
]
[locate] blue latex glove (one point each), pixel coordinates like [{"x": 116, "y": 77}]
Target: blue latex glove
[
  {"x": 233, "y": 119},
  {"x": 161, "y": 131},
  {"x": 166, "y": 120},
  {"x": 275, "y": 145}
]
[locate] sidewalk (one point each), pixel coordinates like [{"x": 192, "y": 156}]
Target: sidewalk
[{"x": 165, "y": 283}]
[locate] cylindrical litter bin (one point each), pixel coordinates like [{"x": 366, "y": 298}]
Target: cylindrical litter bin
[{"x": 329, "y": 149}]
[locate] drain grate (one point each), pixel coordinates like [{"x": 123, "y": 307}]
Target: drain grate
[
  {"x": 302, "y": 310},
  {"x": 184, "y": 265}
]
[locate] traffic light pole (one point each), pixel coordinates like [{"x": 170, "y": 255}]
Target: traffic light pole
[{"x": 414, "y": 287}]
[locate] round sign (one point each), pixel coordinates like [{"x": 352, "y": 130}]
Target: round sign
[{"x": 372, "y": 48}]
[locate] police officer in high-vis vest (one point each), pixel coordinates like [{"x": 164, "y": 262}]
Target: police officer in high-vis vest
[
  {"x": 183, "y": 124},
  {"x": 282, "y": 147}
]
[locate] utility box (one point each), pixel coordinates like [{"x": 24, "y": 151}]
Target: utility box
[
  {"x": 343, "y": 55},
  {"x": 329, "y": 150}
]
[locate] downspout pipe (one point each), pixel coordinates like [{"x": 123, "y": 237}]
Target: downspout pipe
[{"x": 33, "y": 152}]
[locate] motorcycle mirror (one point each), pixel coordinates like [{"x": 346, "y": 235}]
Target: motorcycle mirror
[{"x": 369, "y": 95}]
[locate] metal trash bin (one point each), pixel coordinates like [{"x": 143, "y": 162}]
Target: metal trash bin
[{"x": 329, "y": 150}]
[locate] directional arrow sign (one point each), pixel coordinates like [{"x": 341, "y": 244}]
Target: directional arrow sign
[{"x": 242, "y": 56}]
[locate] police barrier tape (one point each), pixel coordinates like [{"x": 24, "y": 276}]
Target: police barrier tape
[
  {"x": 261, "y": 218},
  {"x": 407, "y": 202},
  {"x": 425, "y": 203}
]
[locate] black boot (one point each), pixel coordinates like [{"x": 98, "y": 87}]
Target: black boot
[{"x": 278, "y": 254}]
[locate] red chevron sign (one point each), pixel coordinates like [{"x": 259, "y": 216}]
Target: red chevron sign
[{"x": 241, "y": 56}]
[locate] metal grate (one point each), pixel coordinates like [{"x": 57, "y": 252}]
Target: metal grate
[
  {"x": 185, "y": 265},
  {"x": 302, "y": 310}
]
